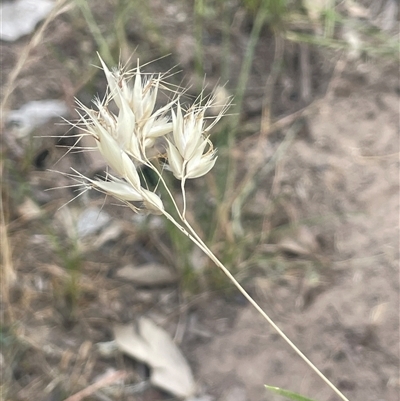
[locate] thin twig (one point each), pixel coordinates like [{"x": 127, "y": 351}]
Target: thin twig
[
  {"x": 8, "y": 275},
  {"x": 103, "y": 382},
  {"x": 23, "y": 58}
]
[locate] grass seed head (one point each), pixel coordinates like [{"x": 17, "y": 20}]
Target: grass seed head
[{"x": 124, "y": 138}]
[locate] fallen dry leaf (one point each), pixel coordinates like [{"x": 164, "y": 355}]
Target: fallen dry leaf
[
  {"x": 148, "y": 343},
  {"x": 20, "y": 17},
  {"x": 150, "y": 274},
  {"x": 301, "y": 242}
]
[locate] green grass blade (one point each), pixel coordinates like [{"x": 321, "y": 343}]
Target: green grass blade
[
  {"x": 101, "y": 42},
  {"x": 288, "y": 394}
]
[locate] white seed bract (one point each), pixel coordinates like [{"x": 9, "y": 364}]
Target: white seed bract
[{"x": 125, "y": 138}]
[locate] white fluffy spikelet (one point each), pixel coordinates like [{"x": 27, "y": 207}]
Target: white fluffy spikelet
[
  {"x": 187, "y": 153},
  {"x": 138, "y": 102},
  {"x": 124, "y": 138}
]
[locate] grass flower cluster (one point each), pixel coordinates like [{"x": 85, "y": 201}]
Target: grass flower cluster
[
  {"x": 133, "y": 136},
  {"x": 126, "y": 138}
]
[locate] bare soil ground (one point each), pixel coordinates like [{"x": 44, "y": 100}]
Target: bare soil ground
[
  {"x": 346, "y": 168},
  {"x": 326, "y": 269}
]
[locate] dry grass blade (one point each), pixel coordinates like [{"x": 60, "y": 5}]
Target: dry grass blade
[
  {"x": 59, "y": 7},
  {"x": 103, "y": 382},
  {"x": 8, "y": 275}
]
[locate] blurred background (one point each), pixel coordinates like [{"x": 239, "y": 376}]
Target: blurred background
[{"x": 302, "y": 205}]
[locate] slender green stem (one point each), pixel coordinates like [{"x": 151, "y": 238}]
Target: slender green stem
[
  {"x": 247, "y": 62},
  {"x": 95, "y": 30},
  {"x": 198, "y": 26},
  {"x": 225, "y": 61},
  {"x": 239, "y": 96}
]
